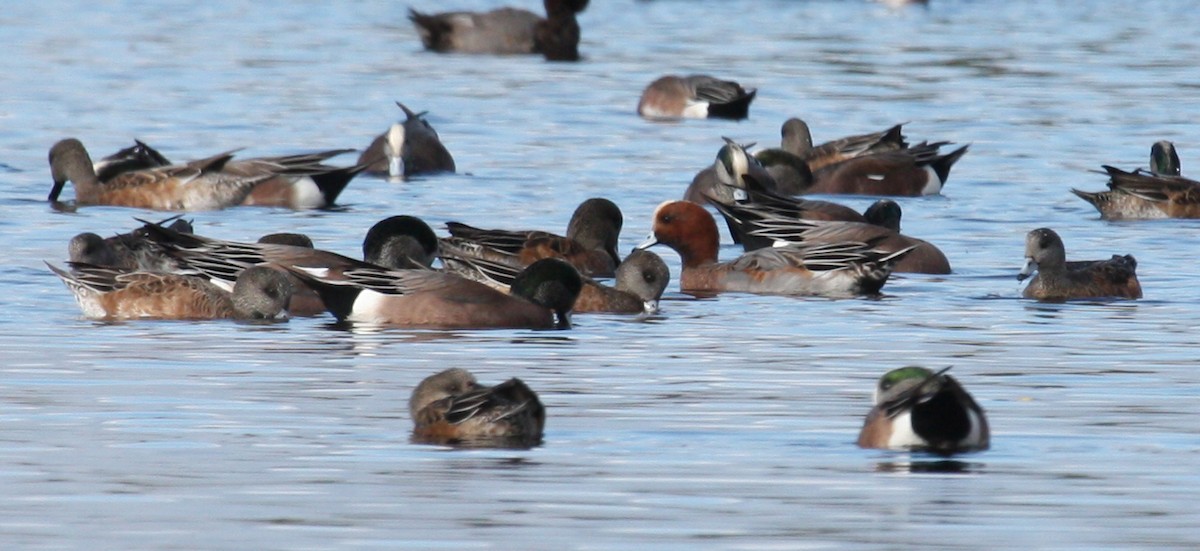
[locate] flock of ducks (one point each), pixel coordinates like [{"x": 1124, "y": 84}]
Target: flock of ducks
[{"x": 505, "y": 278}]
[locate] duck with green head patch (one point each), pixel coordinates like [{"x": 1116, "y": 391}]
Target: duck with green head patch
[{"x": 918, "y": 409}]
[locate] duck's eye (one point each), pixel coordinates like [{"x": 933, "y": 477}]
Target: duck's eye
[
  {"x": 667, "y": 218},
  {"x": 648, "y": 275}
]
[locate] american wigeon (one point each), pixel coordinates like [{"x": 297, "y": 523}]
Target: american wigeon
[
  {"x": 734, "y": 169},
  {"x": 542, "y": 297},
  {"x": 1160, "y": 193},
  {"x": 766, "y": 225},
  {"x": 504, "y": 31},
  {"x": 296, "y": 181},
  {"x": 797, "y": 140},
  {"x": 918, "y": 409},
  {"x": 400, "y": 242},
  {"x": 129, "y": 251},
  {"x": 115, "y": 294},
  {"x": 695, "y": 97},
  {"x": 748, "y": 185},
  {"x": 300, "y": 181},
  {"x": 917, "y": 170},
  {"x": 590, "y": 243},
  {"x": 641, "y": 278},
  {"x": 291, "y": 181},
  {"x": 407, "y": 149},
  {"x": 287, "y": 238},
  {"x": 387, "y": 245},
  {"x": 1059, "y": 280},
  {"x": 138, "y": 156},
  {"x": 842, "y": 269},
  {"x": 451, "y": 407},
  {"x": 198, "y": 185}
]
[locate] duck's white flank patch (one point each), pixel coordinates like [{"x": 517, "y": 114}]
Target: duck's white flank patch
[
  {"x": 306, "y": 194},
  {"x": 369, "y": 306},
  {"x": 902, "y": 432},
  {"x": 934, "y": 185},
  {"x": 696, "y": 110}
]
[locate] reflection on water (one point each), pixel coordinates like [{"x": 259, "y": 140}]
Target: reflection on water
[{"x": 724, "y": 422}]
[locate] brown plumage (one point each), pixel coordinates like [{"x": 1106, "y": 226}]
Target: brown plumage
[
  {"x": 695, "y": 96},
  {"x": 590, "y": 243},
  {"x": 641, "y": 278},
  {"x": 919, "y": 170},
  {"x": 840, "y": 269},
  {"x": 1059, "y": 280},
  {"x": 451, "y": 407},
  {"x": 198, "y": 185},
  {"x": 797, "y": 140},
  {"x": 114, "y": 294}
]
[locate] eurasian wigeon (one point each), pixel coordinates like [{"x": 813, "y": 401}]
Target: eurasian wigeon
[
  {"x": 764, "y": 225},
  {"x": 695, "y": 97},
  {"x": 918, "y": 409},
  {"x": 1059, "y": 280},
  {"x": 451, "y": 407},
  {"x": 407, "y": 149},
  {"x": 842, "y": 269},
  {"x": 114, "y": 294},
  {"x": 590, "y": 243}
]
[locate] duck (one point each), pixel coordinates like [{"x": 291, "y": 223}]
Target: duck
[
  {"x": 1159, "y": 193},
  {"x": 770, "y": 223},
  {"x": 409, "y": 148},
  {"x": 833, "y": 270},
  {"x": 290, "y": 181},
  {"x": 197, "y": 185},
  {"x": 1058, "y": 280},
  {"x": 919, "y": 409},
  {"x": 129, "y": 251},
  {"x": 641, "y": 278},
  {"x": 541, "y": 298},
  {"x": 451, "y": 407},
  {"x": 590, "y": 243},
  {"x": 504, "y": 31},
  {"x": 913, "y": 171},
  {"x": 695, "y": 97},
  {"x": 396, "y": 242},
  {"x": 105, "y": 293},
  {"x": 796, "y": 139}
]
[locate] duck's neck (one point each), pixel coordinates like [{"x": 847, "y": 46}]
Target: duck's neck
[{"x": 701, "y": 247}]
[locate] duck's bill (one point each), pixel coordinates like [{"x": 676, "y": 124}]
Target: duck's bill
[
  {"x": 56, "y": 190},
  {"x": 650, "y": 241},
  {"x": 1028, "y": 270}
]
